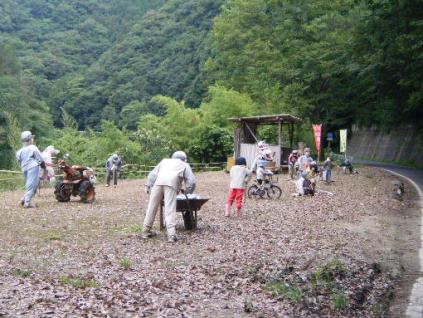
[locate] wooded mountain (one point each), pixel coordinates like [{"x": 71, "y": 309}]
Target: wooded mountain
[{"x": 335, "y": 62}]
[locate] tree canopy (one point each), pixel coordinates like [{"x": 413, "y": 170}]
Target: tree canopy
[{"x": 140, "y": 64}]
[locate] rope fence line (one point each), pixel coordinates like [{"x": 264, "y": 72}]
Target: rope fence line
[{"x": 129, "y": 170}]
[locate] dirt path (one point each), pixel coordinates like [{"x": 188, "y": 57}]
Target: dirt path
[{"x": 326, "y": 256}]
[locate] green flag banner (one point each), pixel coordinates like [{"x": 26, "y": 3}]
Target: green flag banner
[{"x": 343, "y": 140}]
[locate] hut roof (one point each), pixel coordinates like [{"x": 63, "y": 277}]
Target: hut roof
[{"x": 268, "y": 119}]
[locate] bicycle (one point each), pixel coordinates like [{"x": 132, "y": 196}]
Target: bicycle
[{"x": 257, "y": 191}]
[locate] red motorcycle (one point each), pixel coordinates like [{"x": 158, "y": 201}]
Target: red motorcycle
[{"x": 77, "y": 180}]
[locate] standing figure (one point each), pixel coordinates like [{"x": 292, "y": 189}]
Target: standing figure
[
  {"x": 264, "y": 156},
  {"x": 292, "y": 159},
  {"x": 113, "y": 166},
  {"x": 304, "y": 161},
  {"x": 239, "y": 177},
  {"x": 164, "y": 182},
  {"x": 327, "y": 170},
  {"x": 30, "y": 160},
  {"x": 48, "y": 154}
]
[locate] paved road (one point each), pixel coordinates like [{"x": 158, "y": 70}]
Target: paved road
[
  {"x": 415, "y": 304},
  {"x": 414, "y": 174}
]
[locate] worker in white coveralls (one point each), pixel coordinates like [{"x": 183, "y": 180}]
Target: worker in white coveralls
[
  {"x": 48, "y": 154},
  {"x": 165, "y": 181},
  {"x": 30, "y": 160}
]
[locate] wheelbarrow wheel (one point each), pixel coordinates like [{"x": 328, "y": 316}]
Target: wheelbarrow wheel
[
  {"x": 86, "y": 192},
  {"x": 189, "y": 221},
  {"x": 62, "y": 192}
]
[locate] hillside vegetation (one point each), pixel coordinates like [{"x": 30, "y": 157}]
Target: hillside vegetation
[{"x": 127, "y": 62}]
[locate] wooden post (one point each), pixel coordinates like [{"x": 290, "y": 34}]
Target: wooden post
[
  {"x": 291, "y": 135},
  {"x": 280, "y": 134},
  {"x": 237, "y": 142}
]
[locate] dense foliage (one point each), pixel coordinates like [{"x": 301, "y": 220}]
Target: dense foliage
[
  {"x": 165, "y": 75},
  {"x": 336, "y": 62}
]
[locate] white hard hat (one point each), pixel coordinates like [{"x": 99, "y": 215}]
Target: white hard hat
[
  {"x": 115, "y": 156},
  {"x": 267, "y": 151},
  {"x": 52, "y": 150},
  {"x": 180, "y": 155},
  {"x": 261, "y": 144},
  {"x": 26, "y": 136}
]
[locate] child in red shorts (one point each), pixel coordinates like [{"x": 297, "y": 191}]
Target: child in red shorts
[{"x": 239, "y": 178}]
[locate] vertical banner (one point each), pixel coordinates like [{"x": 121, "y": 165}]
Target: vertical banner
[
  {"x": 343, "y": 140},
  {"x": 317, "y": 129}
]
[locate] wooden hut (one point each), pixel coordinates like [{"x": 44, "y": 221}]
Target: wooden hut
[{"x": 245, "y": 136}]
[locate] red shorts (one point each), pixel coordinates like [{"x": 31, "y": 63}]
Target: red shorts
[{"x": 236, "y": 194}]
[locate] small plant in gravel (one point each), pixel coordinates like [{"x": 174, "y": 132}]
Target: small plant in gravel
[
  {"x": 53, "y": 236},
  {"x": 22, "y": 273},
  {"x": 129, "y": 229},
  {"x": 285, "y": 289},
  {"x": 125, "y": 263},
  {"x": 324, "y": 276},
  {"x": 78, "y": 282},
  {"x": 339, "y": 301}
]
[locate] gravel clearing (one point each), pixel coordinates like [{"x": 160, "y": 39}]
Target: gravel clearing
[{"x": 347, "y": 255}]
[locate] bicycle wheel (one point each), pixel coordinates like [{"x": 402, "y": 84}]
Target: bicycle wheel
[
  {"x": 274, "y": 192},
  {"x": 254, "y": 192}
]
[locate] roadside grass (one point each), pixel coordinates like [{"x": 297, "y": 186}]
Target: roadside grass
[
  {"x": 52, "y": 235},
  {"x": 22, "y": 273},
  {"x": 132, "y": 229},
  {"x": 77, "y": 282},
  {"x": 125, "y": 263},
  {"x": 324, "y": 280},
  {"x": 288, "y": 290},
  {"x": 339, "y": 301}
]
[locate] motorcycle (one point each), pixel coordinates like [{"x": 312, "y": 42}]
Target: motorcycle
[{"x": 77, "y": 180}]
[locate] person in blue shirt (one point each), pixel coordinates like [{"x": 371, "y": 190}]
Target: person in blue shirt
[{"x": 30, "y": 160}]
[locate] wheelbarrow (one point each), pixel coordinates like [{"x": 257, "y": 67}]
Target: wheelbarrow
[{"x": 189, "y": 205}]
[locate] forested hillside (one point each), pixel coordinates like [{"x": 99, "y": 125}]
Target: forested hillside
[
  {"x": 163, "y": 53},
  {"x": 335, "y": 62}
]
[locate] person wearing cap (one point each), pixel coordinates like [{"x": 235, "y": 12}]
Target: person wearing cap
[
  {"x": 48, "y": 154},
  {"x": 292, "y": 159},
  {"x": 114, "y": 163},
  {"x": 30, "y": 160},
  {"x": 165, "y": 182},
  {"x": 239, "y": 174}
]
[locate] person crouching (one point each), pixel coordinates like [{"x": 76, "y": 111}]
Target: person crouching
[
  {"x": 304, "y": 185},
  {"x": 239, "y": 177}
]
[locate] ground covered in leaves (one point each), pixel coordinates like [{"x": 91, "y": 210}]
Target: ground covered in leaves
[{"x": 324, "y": 256}]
